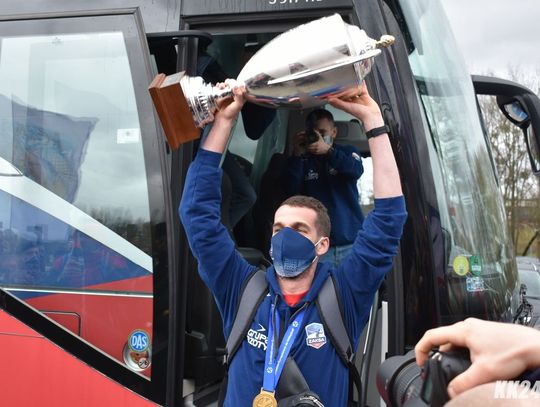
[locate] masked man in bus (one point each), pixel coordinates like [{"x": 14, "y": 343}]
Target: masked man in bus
[
  {"x": 301, "y": 232},
  {"x": 328, "y": 172}
]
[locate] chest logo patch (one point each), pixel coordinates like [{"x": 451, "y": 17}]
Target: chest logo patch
[
  {"x": 256, "y": 337},
  {"x": 315, "y": 336},
  {"x": 311, "y": 176}
]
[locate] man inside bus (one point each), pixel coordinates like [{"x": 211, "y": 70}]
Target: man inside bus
[
  {"x": 328, "y": 172},
  {"x": 300, "y": 237}
]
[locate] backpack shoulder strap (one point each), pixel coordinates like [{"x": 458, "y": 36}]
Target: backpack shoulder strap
[
  {"x": 252, "y": 295},
  {"x": 332, "y": 318},
  {"x": 328, "y": 305}
]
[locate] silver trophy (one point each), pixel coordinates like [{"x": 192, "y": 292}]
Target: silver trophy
[{"x": 300, "y": 68}]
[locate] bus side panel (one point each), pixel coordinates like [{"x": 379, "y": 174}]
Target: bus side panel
[
  {"x": 36, "y": 372},
  {"x": 97, "y": 314}
]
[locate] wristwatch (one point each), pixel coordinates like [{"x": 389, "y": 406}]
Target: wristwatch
[{"x": 377, "y": 131}]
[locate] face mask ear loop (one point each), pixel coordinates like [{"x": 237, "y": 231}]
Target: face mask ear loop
[
  {"x": 318, "y": 241},
  {"x": 315, "y": 245}
]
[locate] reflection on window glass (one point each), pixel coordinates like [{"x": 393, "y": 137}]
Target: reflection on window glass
[
  {"x": 69, "y": 122},
  {"x": 74, "y": 210},
  {"x": 532, "y": 280},
  {"x": 479, "y": 273},
  {"x": 240, "y": 144}
]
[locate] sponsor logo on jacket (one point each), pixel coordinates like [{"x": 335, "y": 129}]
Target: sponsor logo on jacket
[
  {"x": 311, "y": 175},
  {"x": 257, "y": 337}
]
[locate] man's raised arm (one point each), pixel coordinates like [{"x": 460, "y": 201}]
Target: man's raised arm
[
  {"x": 376, "y": 244},
  {"x": 220, "y": 265}
]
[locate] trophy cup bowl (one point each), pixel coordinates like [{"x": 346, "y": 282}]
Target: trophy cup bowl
[{"x": 300, "y": 68}]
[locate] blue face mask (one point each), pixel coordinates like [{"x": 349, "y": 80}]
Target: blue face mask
[{"x": 292, "y": 252}]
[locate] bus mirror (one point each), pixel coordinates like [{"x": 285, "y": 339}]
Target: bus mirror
[
  {"x": 520, "y": 105},
  {"x": 524, "y": 111},
  {"x": 515, "y": 113}
]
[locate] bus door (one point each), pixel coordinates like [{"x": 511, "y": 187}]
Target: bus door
[
  {"x": 455, "y": 257},
  {"x": 240, "y": 30},
  {"x": 85, "y": 227}
]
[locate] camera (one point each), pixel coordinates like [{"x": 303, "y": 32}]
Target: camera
[
  {"x": 402, "y": 383},
  {"x": 310, "y": 136},
  {"x": 306, "y": 399}
]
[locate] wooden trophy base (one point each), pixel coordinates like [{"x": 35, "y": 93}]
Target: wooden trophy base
[{"x": 173, "y": 110}]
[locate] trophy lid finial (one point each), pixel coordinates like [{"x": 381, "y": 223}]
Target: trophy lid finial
[{"x": 385, "y": 41}]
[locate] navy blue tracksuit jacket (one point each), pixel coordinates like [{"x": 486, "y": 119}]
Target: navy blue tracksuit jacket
[{"x": 225, "y": 271}]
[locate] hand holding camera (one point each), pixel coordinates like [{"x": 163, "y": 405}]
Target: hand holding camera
[
  {"x": 402, "y": 383},
  {"x": 499, "y": 351},
  {"x": 471, "y": 353},
  {"x": 310, "y": 142}
]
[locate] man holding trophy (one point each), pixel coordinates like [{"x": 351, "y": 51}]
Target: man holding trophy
[
  {"x": 294, "y": 282},
  {"x": 286, "y": 324}
]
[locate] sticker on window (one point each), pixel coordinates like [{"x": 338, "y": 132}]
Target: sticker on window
[
  {"x": 137, "y": 353},
  {"x": 475, "y": 284},
  {"x": 128, "y": 136}
]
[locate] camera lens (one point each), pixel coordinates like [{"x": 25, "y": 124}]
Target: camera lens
[
  {"x": 311, "y": 137},
  {"x": 399, "y": 380}
]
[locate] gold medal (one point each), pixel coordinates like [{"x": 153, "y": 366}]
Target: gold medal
[{"x": 265, "y": 399}]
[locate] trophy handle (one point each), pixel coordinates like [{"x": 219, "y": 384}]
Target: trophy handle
[{"x": 340, "y": 64}]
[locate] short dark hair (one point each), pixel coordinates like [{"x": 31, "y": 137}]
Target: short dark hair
[
  {"x": 318, "y": 114},
  {"x": 322, "y": 223}
]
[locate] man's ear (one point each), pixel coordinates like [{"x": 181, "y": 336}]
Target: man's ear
[
  {"x": 334, "y": 132},
  {"x": 323, "y": 246}
]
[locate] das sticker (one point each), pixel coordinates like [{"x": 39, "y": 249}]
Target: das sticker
[
  {"x": 137, "y": 351},
  {"x": 461, "y": 265},
  {"x": 139, "y": 341}
]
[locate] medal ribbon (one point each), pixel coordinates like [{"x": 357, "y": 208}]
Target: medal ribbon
[{"x": 274, "y": 366}]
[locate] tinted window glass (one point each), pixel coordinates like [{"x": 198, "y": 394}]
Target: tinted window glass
[
  {"x": 74, "y": 201},
  {"x": 477, "y": 275}
]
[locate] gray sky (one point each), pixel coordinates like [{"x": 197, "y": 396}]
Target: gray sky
[{"x": 494, "y": 34}]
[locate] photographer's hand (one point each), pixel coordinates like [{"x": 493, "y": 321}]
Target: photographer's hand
[
  {"x": 499, "y": 351},
  {"x": 319, "y": 147}
]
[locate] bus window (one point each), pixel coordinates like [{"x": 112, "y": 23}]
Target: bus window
[
  {"x": 75, "y": 213},
  {"x": 476, "y": 274}
]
